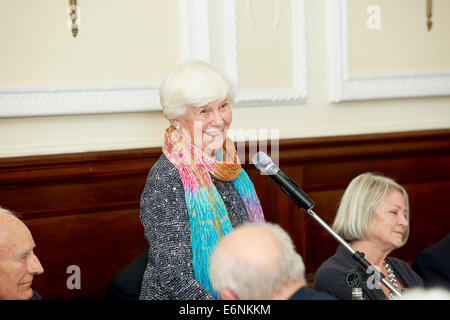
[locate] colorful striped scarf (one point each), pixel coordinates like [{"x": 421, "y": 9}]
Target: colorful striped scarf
[{"x": 208, "y": 216}]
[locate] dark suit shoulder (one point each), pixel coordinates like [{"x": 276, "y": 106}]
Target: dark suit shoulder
[
  {"x": 330, "y": 279},
  {"x": 306, "y": 293},
  {"x": 35, "y": 296},
  {"x": 433, "y": 264}
]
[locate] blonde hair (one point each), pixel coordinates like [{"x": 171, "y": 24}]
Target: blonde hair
[
  {"x": 358, "y": 204},
  {"x": 192, "y": 83}
]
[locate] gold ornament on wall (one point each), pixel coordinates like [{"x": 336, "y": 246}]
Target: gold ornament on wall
[
  {"x": 74, "y": 17},
  {"x": 429, "y": 13}
]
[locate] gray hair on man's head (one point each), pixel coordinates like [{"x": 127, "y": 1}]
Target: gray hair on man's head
[
  {"x": 193, "y": 83},
  {"x": 250, "y": 281},
  {"x": 359, "y": 203}
]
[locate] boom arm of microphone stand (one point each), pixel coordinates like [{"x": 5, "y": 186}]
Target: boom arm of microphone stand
[{"x": 356, "y": 255}]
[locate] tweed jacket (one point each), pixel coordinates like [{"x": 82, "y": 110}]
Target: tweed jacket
[{"x": 169, "y": 273}]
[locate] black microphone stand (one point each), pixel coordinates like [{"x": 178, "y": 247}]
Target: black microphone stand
[{"x": 302, "y": 200}]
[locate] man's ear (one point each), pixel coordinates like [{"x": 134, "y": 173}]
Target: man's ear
[{"x": 227, "y": 294}]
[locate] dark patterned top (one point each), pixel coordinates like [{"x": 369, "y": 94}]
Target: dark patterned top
[
  {"x": 331, "y": 277},
  {"x": 164, "y": 215}
]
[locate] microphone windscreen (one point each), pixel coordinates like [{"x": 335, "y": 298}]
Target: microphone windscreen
[{"x": 263, "y": 162}]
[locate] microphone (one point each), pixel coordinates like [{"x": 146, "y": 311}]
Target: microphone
[{"x": 265, "y": 164}]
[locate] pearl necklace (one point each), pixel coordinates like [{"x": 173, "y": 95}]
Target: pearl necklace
[{"x": 392, "y": 278}]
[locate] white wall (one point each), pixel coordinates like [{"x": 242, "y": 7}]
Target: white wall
[{"x": 147, "y": 62}]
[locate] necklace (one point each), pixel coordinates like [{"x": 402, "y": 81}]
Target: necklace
[{"x": 392, "y": 278}]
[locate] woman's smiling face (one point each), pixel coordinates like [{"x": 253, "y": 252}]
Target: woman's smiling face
[{"x": 208, "y": 125}]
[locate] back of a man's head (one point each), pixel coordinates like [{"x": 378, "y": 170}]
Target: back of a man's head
[{"x": 255, "y": 261}]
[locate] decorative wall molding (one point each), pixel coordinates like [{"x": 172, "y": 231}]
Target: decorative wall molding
[
  {"x": 107, "y": 97},
  {"x": 344, "y": 86},
  {"x": 78, "y": 99},
  {"x": 194, "y": 15},
  {"x": 296, "y": 94}
]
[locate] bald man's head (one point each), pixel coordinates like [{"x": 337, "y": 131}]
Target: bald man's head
[
  {"x": 18, "y": 264},
  {"x": 6, "y": 219},
  {"x": 7, "y": 212},
  {"x": 255, "y": 245},
  {"x": 254, "y": 261}
]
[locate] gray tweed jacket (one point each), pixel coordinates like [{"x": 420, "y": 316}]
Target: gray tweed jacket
[{"x": 169, "y": 273}]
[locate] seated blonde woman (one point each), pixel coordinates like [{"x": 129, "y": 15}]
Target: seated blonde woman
[{"x": 373, "y": 217}]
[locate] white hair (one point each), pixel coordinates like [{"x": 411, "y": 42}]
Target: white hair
[
  {"x": 359, "y": 202},
  {"x": 192, "y": 83},
  {"x": 426, "y": 294},
  {"x": 250, "y": 281}
]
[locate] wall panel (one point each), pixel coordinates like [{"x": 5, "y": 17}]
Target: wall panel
[{"x": 83, "y": 209}]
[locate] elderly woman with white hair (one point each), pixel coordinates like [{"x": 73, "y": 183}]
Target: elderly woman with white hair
[
  {"x": 196, "y": 192},
  {"x": 373, "y": 217}
]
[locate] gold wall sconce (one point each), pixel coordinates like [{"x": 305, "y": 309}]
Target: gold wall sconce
[
  {"x": 74, "y": 17},
  {"x": 429, "y": 13}
]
